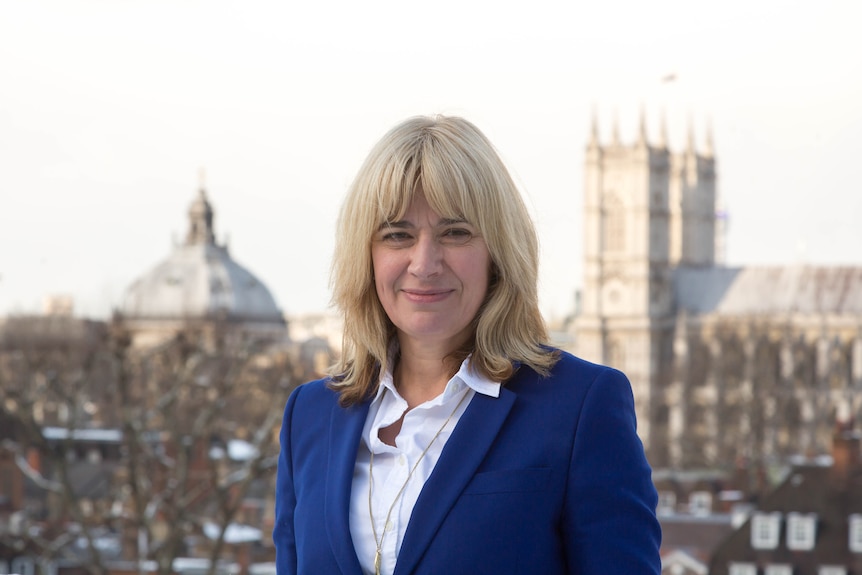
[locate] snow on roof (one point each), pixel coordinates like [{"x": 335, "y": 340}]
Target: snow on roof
[
  {"x": 100, "y": 435},
  {"x": 240, "y": 450},
  {"x": 235, "y": 533},
  {"x": 262, "y": 569}
]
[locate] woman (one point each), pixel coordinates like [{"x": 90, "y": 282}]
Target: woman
[{"x": 453, "y": 439}]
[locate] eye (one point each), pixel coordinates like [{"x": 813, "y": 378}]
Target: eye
[
  {"x": 457, "y": 235},
  {"x": 396, "y": 238}
]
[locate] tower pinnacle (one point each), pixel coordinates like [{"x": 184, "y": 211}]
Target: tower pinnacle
[
  {"x": 690, "y": 147},
  {"x": 709, "y": 151},
  {"x": 594, "y": 131},
  {"x": 642, "y": 134},
  {"x": 662, "y": 135}
]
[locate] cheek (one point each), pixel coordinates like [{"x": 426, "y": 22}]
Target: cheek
[
  {"x": 382, "y": 274},
  {"x": 479, "y": 276}
]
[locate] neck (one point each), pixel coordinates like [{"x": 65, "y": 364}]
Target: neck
[{"x": 422, "y": 374}]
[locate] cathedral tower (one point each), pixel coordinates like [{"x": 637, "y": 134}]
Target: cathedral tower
[{"x": 646, "y": 211}]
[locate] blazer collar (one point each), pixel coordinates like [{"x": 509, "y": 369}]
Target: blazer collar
[
  {"x": 344, "y": 436},
  {"x": 463, "y": 453}
]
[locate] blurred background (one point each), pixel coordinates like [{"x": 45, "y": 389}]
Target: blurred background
[{"x": 170, "y": 175}]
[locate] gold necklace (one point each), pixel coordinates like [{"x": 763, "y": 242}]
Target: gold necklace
[{"x": 378, "y": 543}]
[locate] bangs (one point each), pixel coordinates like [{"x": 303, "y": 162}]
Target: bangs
[{"x": 447, "y": 178}]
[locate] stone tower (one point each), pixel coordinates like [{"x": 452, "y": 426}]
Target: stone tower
[{"x": 646, "y": 211}]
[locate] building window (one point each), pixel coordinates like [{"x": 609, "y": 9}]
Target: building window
[
  {"x": 666, "y": 502},
  {"x": 615, "y": 228},
  {"x": 764, "y": 530},
  {"x": 855, "y": 536},
  {"x": 742, "y": 569},
  {"x": 778, "y": 570},
  {"x": 832, "y": 570},
  {"x": 801, "y": 531},
  {"x": 700, "y": 503}
]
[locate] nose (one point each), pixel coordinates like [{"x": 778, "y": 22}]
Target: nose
[{"x": 426, "y": 257}]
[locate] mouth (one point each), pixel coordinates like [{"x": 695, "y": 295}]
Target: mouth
[{"x": 426, "y": 295}]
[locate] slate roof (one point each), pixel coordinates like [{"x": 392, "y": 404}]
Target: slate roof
[
  {"x": 832, "y": 496},
  {"x": 696, "y": 536},
  {"x": 735, "y": 291}
]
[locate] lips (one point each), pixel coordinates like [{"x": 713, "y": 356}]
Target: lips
[{"x": 426, "y": 295}]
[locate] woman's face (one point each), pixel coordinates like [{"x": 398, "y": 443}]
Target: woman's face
[{"x": 431, "y": 275}]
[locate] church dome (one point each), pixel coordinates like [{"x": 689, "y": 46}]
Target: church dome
[{"x": 200, "y": 281}]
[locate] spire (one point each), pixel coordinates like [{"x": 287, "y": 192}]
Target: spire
[
  {"x": 616, "y": 132},
  {"x": 691, "y": 148},
  {"x": 710, "y": 147},
  {"x": 662, "y": 135},
  {"x": 642, "y": 135},
  {"x": 594, "y": 131},
  {"x": 200, "y": 218}
]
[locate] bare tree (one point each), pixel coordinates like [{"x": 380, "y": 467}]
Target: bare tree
[{"x": 154, "y": 449}]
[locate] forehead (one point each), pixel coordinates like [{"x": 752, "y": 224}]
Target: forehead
[
  {"x": 420, "y": 214},
  {"x": 421, "y": 204}
]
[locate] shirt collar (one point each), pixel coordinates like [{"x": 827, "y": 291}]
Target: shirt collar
[
  {"x": 476, "y": 381},
  {"x": 466, "y": 376}
]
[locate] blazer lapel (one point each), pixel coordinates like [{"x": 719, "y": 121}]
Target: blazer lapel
[
  {"x": 344, "y": 436},
  {"x": 464, "y": 451}
]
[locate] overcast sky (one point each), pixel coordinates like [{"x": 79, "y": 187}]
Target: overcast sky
[{"x": 109, "y": 108}]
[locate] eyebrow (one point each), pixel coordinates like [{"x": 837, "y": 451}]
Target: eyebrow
[
  {"x": 404, "y": 224},
  {"x": 451, "y": 221}
]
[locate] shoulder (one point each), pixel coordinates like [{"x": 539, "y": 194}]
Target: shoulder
[
  {"x": 570, "y": 368},
  {"x": 571, "y": 379},
  {"x": 311, "y": 398},
  {"x": 316, "y": 390},
  {"x": 571, "y": 364}
]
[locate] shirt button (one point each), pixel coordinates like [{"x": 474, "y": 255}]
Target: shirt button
[
  {"x": 401, "y": 460},
  {"x": 388, "y": 526}
]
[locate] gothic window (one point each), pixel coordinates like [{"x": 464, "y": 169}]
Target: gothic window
[
  {"x": 840, "y": 376},
  {"x": 804, "y": 362},
  {"x": 786, "y": 361},
  {"x": 822, "y": 360},
  {"x": 778, "y": 569},
  {"x": 832, "y": 570},
  {"x": 614, "y": 228},
  {"x": 855, "y": 535},
  {"x": 764, "y": 530},
  {"x": 699, "y": 367},
  {"x": 801, "y": 531},
  {"x": 767, "y": 362}
]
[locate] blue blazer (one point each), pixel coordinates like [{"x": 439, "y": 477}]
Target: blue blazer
[{"x": 549, "y": 478}]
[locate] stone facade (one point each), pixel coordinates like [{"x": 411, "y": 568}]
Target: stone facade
[{"x": 725, "y": 363}]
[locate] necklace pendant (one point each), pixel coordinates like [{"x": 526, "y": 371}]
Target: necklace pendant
[{"x": 377, "y": 562}]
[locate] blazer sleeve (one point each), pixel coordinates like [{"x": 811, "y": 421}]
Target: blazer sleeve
[
  {"x": 283, "y": 535},
  {"x": 610, "y": 524}
]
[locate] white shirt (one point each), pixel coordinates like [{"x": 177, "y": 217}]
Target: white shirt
[{"x": 392, "y": 465}]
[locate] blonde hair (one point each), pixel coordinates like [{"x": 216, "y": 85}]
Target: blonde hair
[{"x": 461, "y": 176}]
